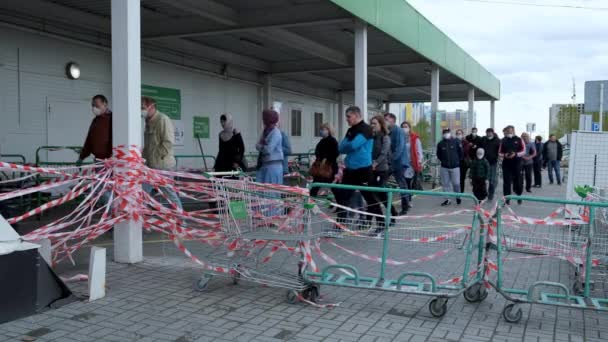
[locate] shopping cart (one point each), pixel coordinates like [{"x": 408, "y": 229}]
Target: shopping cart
[
  {"x": 15, "y": 180},
  {"x": 194, "y": 163},
  {"x": 548, "y": 260},
  {"x": 264, "y": 235},
  {"x": 438, "y": 254}
]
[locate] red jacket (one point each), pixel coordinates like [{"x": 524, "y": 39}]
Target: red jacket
[
  {"x": 416, "y": 164},
  {"x": 99, "y": 138}
]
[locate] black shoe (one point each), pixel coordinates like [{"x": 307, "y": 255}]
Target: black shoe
[
  {"x": 520, "y": 202},
  {"x": 458, "y": 201},
  {"x": 528, "y": 190},
  {"x": 551, "y": 183},
  {"x": 560, "y": 183},
  {"x": 446, "y": 202},
  {"x": 490, "y": 198},
  {"x": 508, "y": 202},
  {"x": 403, "y": 212}
]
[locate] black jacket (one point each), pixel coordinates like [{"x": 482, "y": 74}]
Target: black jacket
[
  {"x": 475, "y": 143},
  {"x": 449, "y": 153},
  {"x": 327, "y": 148},
  {"x": 491, "y": 147},
  {"x": 560, "y": 151},
  {"x": 230, "y": 152},
  {"x": 540, "y": 150}
]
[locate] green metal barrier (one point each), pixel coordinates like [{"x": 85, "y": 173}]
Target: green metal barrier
[
  {"x": 534, "y": 293},
  {"x": 203, "y": 158},
  {"x": 470, "y": 286}
]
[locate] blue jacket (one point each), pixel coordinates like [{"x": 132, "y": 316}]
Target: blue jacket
[
  {"x": 357, "y": 145},
  {"x": 286, "y": 145},
  {"x": 272, "y": 149},
  {"x": 399, "y": 152}
]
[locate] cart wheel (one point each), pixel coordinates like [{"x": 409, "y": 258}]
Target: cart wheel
[
  {"x": 313, "y": 293},
  {"x": 438, "y": 307},
  {"x": 472, "y": 294},
  {"x": 292, "y": 296},
  {"x": 484, "y": 294},
  {"x": 202, "y": 283},
  {"x": 509, "y": 315}
]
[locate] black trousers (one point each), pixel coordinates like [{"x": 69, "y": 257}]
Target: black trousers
[
  {"x": 315, "y": 191},
  {"x": 527, "y": 170},
  {"x": 480, "y": 188},
  {"x": 538, "y": 176},
  {"x": 378, "y": 180},
  {"x": 511, "y": 177},
  {"x": 357, "y": 177},
  {"x": 464, "y": 167}
]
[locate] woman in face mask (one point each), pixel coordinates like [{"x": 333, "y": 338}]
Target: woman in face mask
[
  {"x": 414, "y": 146},
  {"x": 326, "y": 157},
  {"x": 381, "y": 151}
]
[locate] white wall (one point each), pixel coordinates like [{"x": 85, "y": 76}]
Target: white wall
[{"x": 43, "y": 81}]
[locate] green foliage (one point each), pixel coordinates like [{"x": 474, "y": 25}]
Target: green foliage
[
  {"x": 567, "y": 121},
  {"x": 423, "y": 128}
]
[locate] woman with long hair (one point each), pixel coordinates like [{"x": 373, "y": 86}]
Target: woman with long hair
[
  {"x": 414, "y": 146},
  {"x": 380, "y": 170},
  {"x": 326, "y": 157}
]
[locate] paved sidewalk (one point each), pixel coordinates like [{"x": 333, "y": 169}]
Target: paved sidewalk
[{"x": 154, "y": 301}]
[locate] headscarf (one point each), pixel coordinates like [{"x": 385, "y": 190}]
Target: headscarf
[
  {"x": 228, "y": 127},
  {"x": 270, "y": 118}
]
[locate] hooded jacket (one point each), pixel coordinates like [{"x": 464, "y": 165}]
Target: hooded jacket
[{"x": 357, "y": 145}]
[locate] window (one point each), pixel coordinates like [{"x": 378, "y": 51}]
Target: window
[
  {"x": 318, "y": 123},
  {"x": 296, "y": 123}
]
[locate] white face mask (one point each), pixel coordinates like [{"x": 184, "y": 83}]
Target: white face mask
[
  {"x": 144, "y": 113},
  {"x": 490, "y": 136},
  {"x": 447, "y": 136},
  {"x": 324, "y": 133},
  {"x": 474, "y": 134},
  {"x": 510, "y": 135},
  {"x": 459, "y": 136},
  {"x": 96, "y": 111},
  {"x": 479, "y": 155},
  {"x": 406, "y": 130}
]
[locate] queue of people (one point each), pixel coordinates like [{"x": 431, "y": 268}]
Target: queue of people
[
  {"x": 373, "y": 152},
  {"x": 522, "y": 161}
]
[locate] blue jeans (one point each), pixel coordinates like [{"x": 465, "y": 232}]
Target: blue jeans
[
  {"x": 399, "y": 174},
  {"x": 554, "y": 165},
  {"x": 171, "y": 195}
]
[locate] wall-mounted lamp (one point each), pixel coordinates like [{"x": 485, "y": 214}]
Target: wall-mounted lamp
[{"x": 72, "y": 70}]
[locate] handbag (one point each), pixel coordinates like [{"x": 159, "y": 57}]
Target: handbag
[{"x": 321, "y": 169}]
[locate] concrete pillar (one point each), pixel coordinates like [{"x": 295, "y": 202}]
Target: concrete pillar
[
  {"x": 472, "y": 105},
  {"x": 266, "y": 100},
  {"x": 341, "y": 121},
  {"x": 361, "y": 67},
  {"x": 126, "y": 98},
  {"x": 435, "y": 104},
  {"x": 492, "y": 111},
  {"x": 387, "y": 107}
]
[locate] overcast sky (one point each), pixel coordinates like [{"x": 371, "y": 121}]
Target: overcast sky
[{"x": 534, "y": 51}]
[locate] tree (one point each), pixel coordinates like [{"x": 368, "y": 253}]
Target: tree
[
  {"x": 423, "y": 128},
  {"x": 567, "y": 120}
]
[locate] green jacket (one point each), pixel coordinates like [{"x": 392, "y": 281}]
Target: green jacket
[{"x": 480, "y": 168}]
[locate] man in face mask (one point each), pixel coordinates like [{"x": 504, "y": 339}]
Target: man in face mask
[
  {"x": 449, "y": 153},
  {"x": 400, "y": 158},
  {"x": 512, "y": 149},
  {"x": 99, "y": 139},
  {"x": 491, "y": 144},
  {"x": 159, "y": 137}
]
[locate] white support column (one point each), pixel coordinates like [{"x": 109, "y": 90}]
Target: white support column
[
  {"x": 126, "y": 98},
  {"x": 434, "y": 103},
  {"x": 341, "y": 131},
  {"x": 492, "y": 115},
  {"x": 361, "y": 67},
  {"x": 387, "y": 107},
  {"x": 472, "y": 105}
]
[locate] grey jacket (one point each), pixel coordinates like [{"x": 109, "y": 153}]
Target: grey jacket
[{"x": 381, "y": 152}]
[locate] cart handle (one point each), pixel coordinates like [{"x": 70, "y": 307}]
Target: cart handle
[
  {"x": 341, "y": 266},
  {"x": 549, "y": 284},
  {"x": 417, "y": 274}
]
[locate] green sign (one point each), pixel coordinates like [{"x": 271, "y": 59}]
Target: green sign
[
  {"x": 238, "y": 210},
  {"x": 201, "y": 127},
  {"x": 168, "y": 101}
]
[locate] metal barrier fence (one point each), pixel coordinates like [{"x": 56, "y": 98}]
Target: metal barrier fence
[{"x": 535, "y": 255}]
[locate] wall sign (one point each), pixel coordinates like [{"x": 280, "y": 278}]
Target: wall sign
[
  {"x": 201, "y": 127},
  {"x": 168, "y": 101}
]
